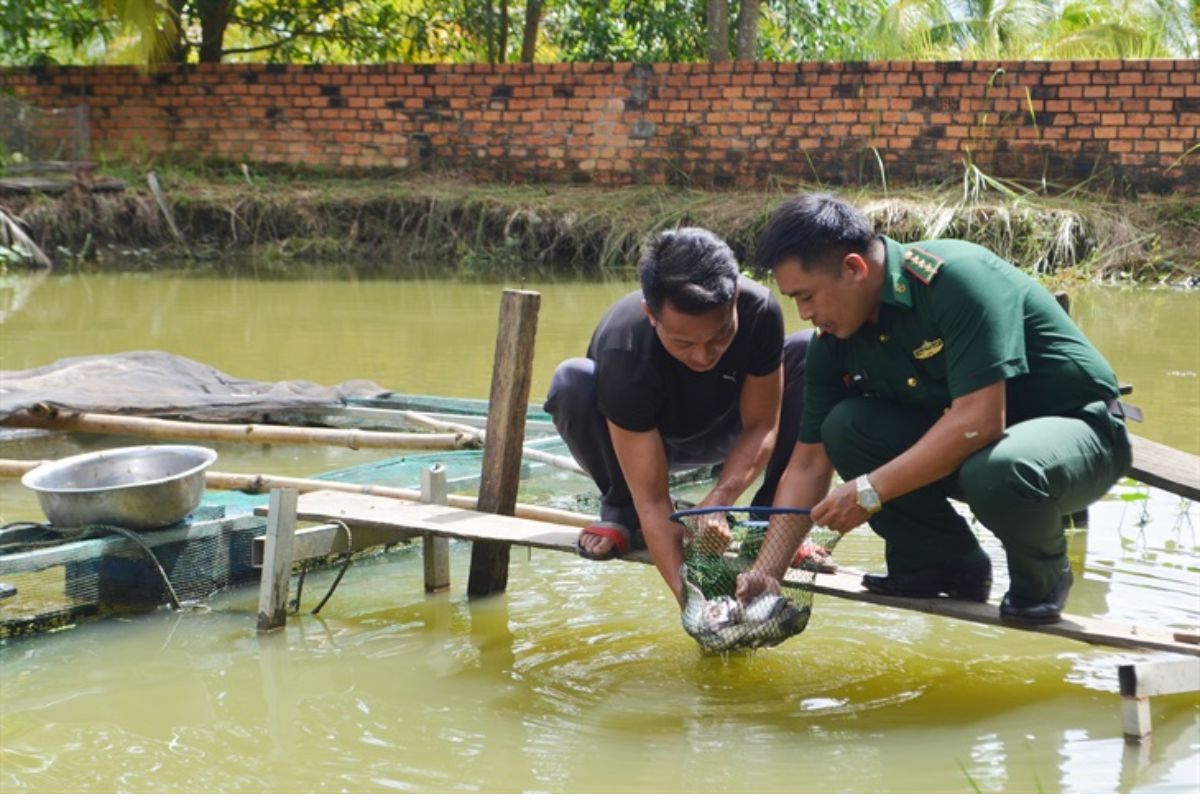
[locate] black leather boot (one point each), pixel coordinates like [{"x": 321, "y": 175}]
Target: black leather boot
[{"x": 1046, "y": 611}]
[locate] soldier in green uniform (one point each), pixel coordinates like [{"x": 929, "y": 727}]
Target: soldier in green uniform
[{"x": 940, "y": 371}]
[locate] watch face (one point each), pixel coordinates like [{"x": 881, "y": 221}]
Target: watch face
[{"x": 868, "y": 498}]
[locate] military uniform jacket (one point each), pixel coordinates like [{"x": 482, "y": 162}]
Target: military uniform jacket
[{"x": 954, "y": 318}]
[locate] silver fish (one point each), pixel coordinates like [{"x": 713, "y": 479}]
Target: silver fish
[{"x": 724, "y": 624}]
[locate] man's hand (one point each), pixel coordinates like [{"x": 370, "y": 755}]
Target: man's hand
[
  {"x": 754, "y": 583},
  {"x": 840, "y": 510},
  {"x": 712, "y": 533},
  {"x": 814, "y": 558}
]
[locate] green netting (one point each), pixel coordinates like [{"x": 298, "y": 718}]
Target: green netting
[
  {"x": 62, "y": 576},
  {"x": 721, "y": 544},
  {"x": 541, "y": 484}
]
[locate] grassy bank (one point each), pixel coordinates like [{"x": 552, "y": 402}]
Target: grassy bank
[{"x": 394, "y": 225}]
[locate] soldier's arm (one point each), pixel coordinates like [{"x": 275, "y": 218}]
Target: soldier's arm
[
  {"x": 759, "y": 408},
  {"x": 643, "y": 460},
  {"x": 803, "y": 484}
]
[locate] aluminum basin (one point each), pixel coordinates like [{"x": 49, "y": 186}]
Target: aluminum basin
[{"x": 141, "y": 488}]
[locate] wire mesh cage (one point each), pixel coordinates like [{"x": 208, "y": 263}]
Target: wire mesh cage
[
  {"x": 723, "y": 542},
  {"x": 55, "y": 578},
  {"x": 29, "y": 134}
]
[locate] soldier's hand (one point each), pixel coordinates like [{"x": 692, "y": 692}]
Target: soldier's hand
[{"x": 840, "y": 510}]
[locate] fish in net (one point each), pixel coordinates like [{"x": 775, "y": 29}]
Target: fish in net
[{"x": 722, "y": 542}]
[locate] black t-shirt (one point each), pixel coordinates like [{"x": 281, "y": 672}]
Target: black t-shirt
[{"x": 641, "y": 387}]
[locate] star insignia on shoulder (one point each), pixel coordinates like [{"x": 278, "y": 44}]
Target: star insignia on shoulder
[{"x": 922, "y": 264}]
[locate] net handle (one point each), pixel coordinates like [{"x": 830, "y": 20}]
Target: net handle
[{"x": 761, "y": 510}]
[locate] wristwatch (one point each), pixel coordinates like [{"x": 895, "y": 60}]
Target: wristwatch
[{"x": 868, "y": 498}]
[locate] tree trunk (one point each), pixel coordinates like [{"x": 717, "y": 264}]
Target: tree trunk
[
  {"x": 214, "y": 19},
  {"x": 489, "y": 32},
  {"x": 533, "y": 18},
  {"x": 747, "y": 30},
  {"x": 177, "y": 44},
  {"x": 503, "y": 46},
  {"x": 718, "y": 30}
]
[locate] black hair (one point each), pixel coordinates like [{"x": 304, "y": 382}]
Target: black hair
[
  {"x": 812, "y": 228},
  {"x": 691, "y": 267}
]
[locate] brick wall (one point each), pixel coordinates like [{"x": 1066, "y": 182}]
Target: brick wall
[{"x": 711, "y": 125}]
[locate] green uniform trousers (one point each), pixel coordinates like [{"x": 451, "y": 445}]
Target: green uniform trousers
[{"x": 1019, "y": 488}]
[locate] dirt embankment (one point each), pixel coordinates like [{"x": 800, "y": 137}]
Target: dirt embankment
[{"x": 395, "y": 225}]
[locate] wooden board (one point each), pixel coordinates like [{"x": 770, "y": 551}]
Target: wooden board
[
  {"x": 416, "y": 518},
  {"x": 1165, "y": 467},
  {"x": 847, "y": 584},
  {"x": 31, "y": 184}
]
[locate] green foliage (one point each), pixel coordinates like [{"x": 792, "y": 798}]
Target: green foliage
[
  {"x": 34, "y": 32},
  {"x": 457, "y": 31},
  {"x": 1016, "y": 29},
  {"x": 630, "y": 30},
  {"x": 14, "y": 254},
  {"x": 316, "y": 31},
  {"x": 810, "y": 30}
]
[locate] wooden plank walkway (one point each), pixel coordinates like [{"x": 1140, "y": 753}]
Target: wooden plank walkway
[
  {"x": 1165, "y": 467},
  {"x": 403, "y": 519}
]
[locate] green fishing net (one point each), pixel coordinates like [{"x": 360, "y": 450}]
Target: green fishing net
[{"x": 723, "y": 542}]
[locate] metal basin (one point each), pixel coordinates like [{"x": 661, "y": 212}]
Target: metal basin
[{"x": 134, "y": 487}]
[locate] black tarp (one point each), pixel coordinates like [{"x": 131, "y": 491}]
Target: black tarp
[{"x": 156, "y": 383}]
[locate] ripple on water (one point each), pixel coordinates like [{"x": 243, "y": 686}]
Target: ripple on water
[{"x": 393, "y": 690}]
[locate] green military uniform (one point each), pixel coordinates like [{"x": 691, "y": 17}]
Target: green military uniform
[{"x": 955, "y": 318}]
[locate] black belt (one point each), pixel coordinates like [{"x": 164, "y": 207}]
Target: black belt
[{"x": 1119, "y": 408}]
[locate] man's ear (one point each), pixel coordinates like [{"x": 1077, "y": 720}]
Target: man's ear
[
  {"x": 649, "y": 314},
  {"x": 856, "y": 266}
]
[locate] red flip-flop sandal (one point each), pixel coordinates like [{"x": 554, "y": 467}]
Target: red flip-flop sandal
[
  {"x": 809, "y": 557},
  {"x": 615, "y": 532}
]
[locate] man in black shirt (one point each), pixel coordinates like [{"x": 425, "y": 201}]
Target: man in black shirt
[{"x": 690, "y": 371}]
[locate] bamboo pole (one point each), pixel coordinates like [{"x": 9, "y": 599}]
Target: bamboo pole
[
  {"x": 263, "y": 483},
  {"x": 165, "y": 208},
  {"x": 353, "y": 438},
  {"x": 533, "y": 454}
]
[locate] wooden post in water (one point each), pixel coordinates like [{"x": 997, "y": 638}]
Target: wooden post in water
[
  {"x": 277, "y": 560},
  {"x": 436, "y": 549},
  {"x": 1140, "y": 682},
  {"x": 512, "y": 372}
]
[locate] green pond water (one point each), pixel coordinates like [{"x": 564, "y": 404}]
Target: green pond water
[{"x": 579, "y": 679}]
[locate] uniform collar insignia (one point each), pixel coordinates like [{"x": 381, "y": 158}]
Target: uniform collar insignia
[{"x": 895, "y": 287}]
